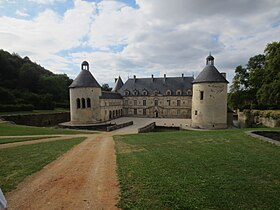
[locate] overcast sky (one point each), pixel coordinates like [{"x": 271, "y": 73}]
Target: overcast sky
[{"x": 140, "y": 37}]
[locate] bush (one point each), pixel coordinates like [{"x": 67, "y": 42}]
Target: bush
[
  {"x": 62, "y": 105},
  {"x": 18, "y": 107}
]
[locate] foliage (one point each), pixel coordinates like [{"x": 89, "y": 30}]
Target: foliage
[
  {"x": 25, "y": 82},
  {"x": 106, "y": 87},
  {"x": 18, "y": 130},
  {"x": 258, "y": 84},
  {"x": 34, "y": 112},
  {"x": 16, "y": 163},
  {"x": 18, "y": 107},
  {"x": 223, "y": 169}
]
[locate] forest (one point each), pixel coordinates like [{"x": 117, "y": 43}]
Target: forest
[
  {"x": 257, "y": 84},
  {"x": 25, "y": 85}
]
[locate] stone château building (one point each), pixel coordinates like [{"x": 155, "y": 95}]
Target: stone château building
[{"x": 203, "y": 99}]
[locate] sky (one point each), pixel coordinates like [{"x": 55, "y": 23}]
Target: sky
[{"x": 138, "y": 37}]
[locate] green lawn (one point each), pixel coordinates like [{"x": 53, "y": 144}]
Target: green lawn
[
  {"x": 57, "y": 110},
  {"x": 16, "y": 163},
  {"x": 12, "y": 140},
  {"x": 224, "y": 169},
  {"x": 7, "y": 129}
]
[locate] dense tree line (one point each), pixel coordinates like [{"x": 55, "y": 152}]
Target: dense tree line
[
  {"x": 257, "y": 85},
  {"x": 24, "y": 83}
]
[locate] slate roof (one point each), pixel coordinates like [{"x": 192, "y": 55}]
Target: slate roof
[
  {"x": 84, "y": 79},
  {"x": 157, "y": 84},
  {"x": 210, "y": 74},
  {"x": 110, "y": 95},
  {"x": 118, "y": 85}
]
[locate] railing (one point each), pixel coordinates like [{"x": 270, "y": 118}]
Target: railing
[
  {"x": 118, "y": 126},
  {"x": 148, "y": 128}
]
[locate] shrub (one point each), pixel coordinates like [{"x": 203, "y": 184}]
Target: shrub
[{"x": 18, "y": 107}]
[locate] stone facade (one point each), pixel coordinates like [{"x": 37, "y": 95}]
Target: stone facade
[{"x": 203, "y": 99}]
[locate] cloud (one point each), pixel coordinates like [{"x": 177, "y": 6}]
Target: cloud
[
  {"x": 46, "y": 1},
  {"x": 157, "y": 37},
  {"x": 22, "y": 13}
]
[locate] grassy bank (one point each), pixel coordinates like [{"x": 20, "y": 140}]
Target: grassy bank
[
  {"x": 13, "y": 140},
  {"x": 7, "y": 129},
  {"x": 223, "y": 169},
  {"x": 16, "y": 163}
]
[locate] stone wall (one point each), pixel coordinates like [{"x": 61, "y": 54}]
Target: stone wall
[
  {"x": 249, "y": 119},
  {"x": 118, "y": 126},
  {"x": 147, "y": 128},
  {"x": 42, "y": 120}
]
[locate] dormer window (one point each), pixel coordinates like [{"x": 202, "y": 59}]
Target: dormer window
[
  {"x": 189, "y": 92},
  {"x": 144, "y": 92},
  {"x": 178, "y": 92},
  {"x": 156, "y": 92},
  {"x": 168, "y": 92},
  {"x": 135, "y": 92},
  {"x": 126, "y": 92}
]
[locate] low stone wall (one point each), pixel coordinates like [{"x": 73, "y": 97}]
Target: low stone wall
[
  {"x": 148, "y": 128},
  {"x": 41, "y": 120},
  {"x": 249, "y": 119},
  {"x": 118, "y": 126}
]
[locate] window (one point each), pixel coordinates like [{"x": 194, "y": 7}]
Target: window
[
  {"x": 156, "y": 102},
  {"x": 168, "y": 102},
  {"x": 156, "y": 92},
  {"x": 201, "y": 95},
  {"x": 125, "y": 102},
  {"x": 135, "y": 111},
  {"x": 78, "y": 103},
  {"x": 144, "y": 111},
  {"x": 144, "y": 103},
  {"x": 189, "y": 92},
  {"x": 178, "y": 103},
  {"x": 195, "y": 112},
  {"x": 168, "y": 92},
  {"x": 88, "y": 103},
  {"x": 126, "y": 92},
  {"x": 178, "y": 111},
  {"x": 135, "y": 102},
  {"x": 144, "y": 92},
  {"x": 135, "y": 92},
  {"x": 178, "y": 92},
  {"x": 83, "y": 103}
]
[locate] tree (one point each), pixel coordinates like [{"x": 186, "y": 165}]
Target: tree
[{"x": 106, "y": 87}]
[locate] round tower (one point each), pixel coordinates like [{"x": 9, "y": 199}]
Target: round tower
[
  {"x": 209, "y": 101},
  {"x": 84, "y": 97}
]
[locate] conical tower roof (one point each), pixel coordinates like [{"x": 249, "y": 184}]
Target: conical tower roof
[
  {"x": 210, "y": 73},
  {"x": 118, "y": 85},
  {"x": 85, "y": 78}
]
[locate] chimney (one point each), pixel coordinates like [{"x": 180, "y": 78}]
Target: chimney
[
  {"x": 134, "y": 77},
  {"x": 164, "y": 78},
  {"x": 152, "y": 77},
  {"x": 224, "y": 74},
  {"x": 182, "y": 76}
]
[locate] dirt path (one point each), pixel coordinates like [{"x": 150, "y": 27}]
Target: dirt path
[{"x": 83, "y": 178}]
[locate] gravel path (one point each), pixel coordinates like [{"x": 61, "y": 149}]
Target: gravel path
[{"x": 83, "y": 178}]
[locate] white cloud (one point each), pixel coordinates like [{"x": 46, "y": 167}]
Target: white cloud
[
  {"x": 46, "y": 1},
  {"x": 161, "y": 36},
  {"x": 22, "y": 13}
]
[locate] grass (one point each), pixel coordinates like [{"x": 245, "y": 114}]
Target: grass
[
  {"x": 223, "y": 169},
  {"x": 16, "y": 163},
  {"x": 13, "y": 140},
  {"x": 7, "y": 129},
  {"x": 57, "y": 110}
]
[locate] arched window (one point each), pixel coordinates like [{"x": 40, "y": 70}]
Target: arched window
[
  {"x": 189, "y": 92},
  {"x": 110, "y": 115},
  {"x": 126, "y": 92},
  {"x": 78, "y": 101},
  {"x": 144, "y": 92},
  {"x": 178, "y": 92},
  {"x": 88, "y": 103},
  {"x": 168, "y": 92},
  {"x": 135, "y": 92},
  {"x": 83, "y": 103}
]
